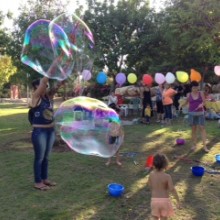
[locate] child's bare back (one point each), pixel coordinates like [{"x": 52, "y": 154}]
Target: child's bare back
[{"x": 160, "y": 184}]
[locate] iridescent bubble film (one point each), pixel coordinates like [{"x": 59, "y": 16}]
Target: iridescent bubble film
[
  {"x": 79, "y": 36},
  {"x": 84, "y": 124},
  {"x": 38, "y": 52}
]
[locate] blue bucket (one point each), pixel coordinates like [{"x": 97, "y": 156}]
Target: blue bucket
[
  {"x": 115, "y": 189},
  {"x": 217, "y": 158},
  {"x": 198, "y": 170}
]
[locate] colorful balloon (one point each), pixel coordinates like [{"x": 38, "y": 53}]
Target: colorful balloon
[
  {"x": 195, "y": 75},
  {"x": 83, "y": 123},
  {"x": 159, "y": 78},
  {"x": 170, "y": 78},
  {"x": 182, "y": 76},
  {"x": 38, "y": 52},
  {"x": 120, "y": 78},
  {"x": 132, "y": 78},
  {"x": 87, "y": 75},
  {"x": 217, "y": 70},
  {"x": 147, "y": 79},
  {"x": 101, "y": 78}
]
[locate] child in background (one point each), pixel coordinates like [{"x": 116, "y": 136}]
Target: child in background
[
  {"x": 161, "y": 185},
  {"x": 147, "y": 113},
  {"x": 115, "y": 137}
]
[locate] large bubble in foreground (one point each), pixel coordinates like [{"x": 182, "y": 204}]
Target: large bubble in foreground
[
  {"x": 51, "y": 59},
  {"x": 79, "y": 36},
  {"x": 83, "y": 123}
]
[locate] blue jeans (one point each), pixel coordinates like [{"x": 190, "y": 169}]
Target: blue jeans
[
  {"x": 43, "y": 140},
  {"x": 168, "y": 111}
]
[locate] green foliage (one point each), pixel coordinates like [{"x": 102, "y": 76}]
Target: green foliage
[
  {"x": 116, "y": 30},
  {"x": 192, "y": 31},
  {"x": 129, "y": 37},
  {"x": 7, "y": 69}
]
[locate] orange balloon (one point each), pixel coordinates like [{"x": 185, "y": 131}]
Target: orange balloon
[{"x": 195, "y": 76}]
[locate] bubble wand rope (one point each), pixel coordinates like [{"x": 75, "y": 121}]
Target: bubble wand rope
[{"x": 188, "y": 160}]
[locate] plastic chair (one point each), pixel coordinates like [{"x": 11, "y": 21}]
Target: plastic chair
[
  {"x": 78, "y": 115},
  {"x": 185, "y": 111},
  {"x": 124, "y": 109},
  {"x": 134, "y": 105}
]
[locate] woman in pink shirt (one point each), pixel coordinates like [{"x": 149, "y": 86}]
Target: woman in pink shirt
[{"x": 168, "y": 94}]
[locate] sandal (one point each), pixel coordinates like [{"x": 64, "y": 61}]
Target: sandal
[
  {"x": 42, "y": 188},
  {"x": 49, "y": 183}
]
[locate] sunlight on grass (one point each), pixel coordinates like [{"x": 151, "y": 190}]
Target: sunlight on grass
[
  {"x": 89, "y": 213},
  {"x": 181, "y": 188},
  {"x": 159, "y": 131},
  {"x": 6, "y": 129},
  {"x": 12, "y": 112},
  {"x": 138, "y": 185},
  {"x": 177, "y": 169}
]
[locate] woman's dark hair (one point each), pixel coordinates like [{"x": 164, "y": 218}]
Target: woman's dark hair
[
  {"x": 35, "y": 83},
  {"x": 160, "y": 161},
  {"x": 194, "y": 83}
]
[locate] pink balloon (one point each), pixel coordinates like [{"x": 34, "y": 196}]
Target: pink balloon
[
  {"x": 87, "y": 75},
  {"x": 147, "y": 79},
  {"x": 159, "y": 78},
  {"x": 217, "y": 70}
]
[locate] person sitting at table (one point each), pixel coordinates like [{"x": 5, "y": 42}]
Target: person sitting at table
[
  {"x": 207, "y": 93},
  {"x": 211, "y": 114},
  {"x": 113, "y": 101},
  {"x": 120, "y": 99}
]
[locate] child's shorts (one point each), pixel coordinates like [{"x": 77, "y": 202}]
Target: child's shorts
[
  {"x": 161, "y": 207},
  {"x": 113, "y": 140}
]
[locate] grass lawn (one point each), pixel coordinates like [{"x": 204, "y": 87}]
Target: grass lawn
[{"x": 81, "y": 193}]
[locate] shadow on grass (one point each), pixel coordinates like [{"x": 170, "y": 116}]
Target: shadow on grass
[{"x": 81, "y": 192}]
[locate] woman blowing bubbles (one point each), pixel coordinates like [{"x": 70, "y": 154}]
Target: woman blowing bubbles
[
  {"x": 196, "y": 114},
  {"x": 43, "y": 135}
]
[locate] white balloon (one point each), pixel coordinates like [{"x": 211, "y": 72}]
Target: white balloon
[{"x": 170, "y": 78}]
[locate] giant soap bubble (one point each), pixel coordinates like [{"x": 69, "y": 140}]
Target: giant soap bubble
[
  {"x": 38, "y": 51},
  {"x": 83, "y": 123},
  {"x": 79, "y": 36}
]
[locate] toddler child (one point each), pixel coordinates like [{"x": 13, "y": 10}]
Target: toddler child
[
  {"x": 115, "y": 137},
  {"x": 147, "y": 113},
  {"x": 161, "y": 185}
]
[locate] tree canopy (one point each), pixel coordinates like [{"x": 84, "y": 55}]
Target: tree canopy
[{"x": 131, "y": 37}]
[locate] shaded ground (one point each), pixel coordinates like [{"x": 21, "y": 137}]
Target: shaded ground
[{"x": 81, "y": 192}]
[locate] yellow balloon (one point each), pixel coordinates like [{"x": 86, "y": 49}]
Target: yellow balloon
[
  {"x": 182, "y": 76},
  {"x": 132, "y": 78}
]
